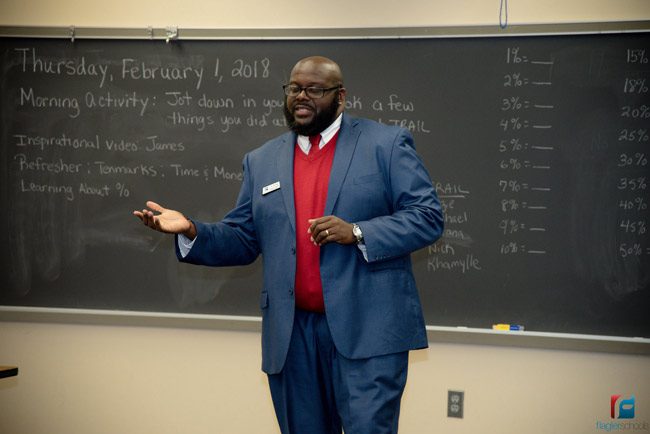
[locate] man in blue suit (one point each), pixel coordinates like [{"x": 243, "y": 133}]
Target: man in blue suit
[{"x": 335, "y": 207}]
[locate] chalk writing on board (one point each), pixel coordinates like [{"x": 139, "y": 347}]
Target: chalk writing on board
[
  {"x": 29, "y": 99},
  {"x": 453, "y": 253},
  {"x": 133, "y": 69},
  {"x": 31, "y": 61},
  {"x": 637, "y": 55},
  {"x": 251, "y": 68},
  {"x": 525, "y": 159},
  {"x": 631, "y": 158}
]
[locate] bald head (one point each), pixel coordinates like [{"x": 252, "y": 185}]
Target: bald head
[{"x": 326, "y": 68}]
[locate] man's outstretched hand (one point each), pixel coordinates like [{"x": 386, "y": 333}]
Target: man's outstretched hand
[{"x": 167, "y": 220}]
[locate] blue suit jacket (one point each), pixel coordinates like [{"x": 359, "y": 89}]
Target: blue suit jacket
[{"x": 378, "y": 181}]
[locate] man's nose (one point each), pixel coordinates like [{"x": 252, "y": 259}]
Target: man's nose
[{"x": 302, "y": 94}]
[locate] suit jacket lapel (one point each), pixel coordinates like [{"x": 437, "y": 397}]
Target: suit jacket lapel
[
  {"x": 285, "y": 169},
  {"x": 345, "y": 145}
]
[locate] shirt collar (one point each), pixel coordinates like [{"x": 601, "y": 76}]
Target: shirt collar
[{"x": 325, "y": 136}]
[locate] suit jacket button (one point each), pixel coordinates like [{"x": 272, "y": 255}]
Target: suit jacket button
[{"x": 293, "y": 250}]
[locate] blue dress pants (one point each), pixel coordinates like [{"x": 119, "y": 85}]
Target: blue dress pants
[{"x": 321, "y": 392}]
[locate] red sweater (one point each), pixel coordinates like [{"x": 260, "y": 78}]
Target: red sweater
[{"x": 311, "y": 174}]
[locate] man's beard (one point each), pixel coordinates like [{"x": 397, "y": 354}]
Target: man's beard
[{"x": 321, "y": 120}]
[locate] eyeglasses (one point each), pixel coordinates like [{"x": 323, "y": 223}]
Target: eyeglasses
[{"x": 293, "y": 90}]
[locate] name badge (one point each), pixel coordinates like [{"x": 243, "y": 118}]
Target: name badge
[{"x": 271, "y": 187}]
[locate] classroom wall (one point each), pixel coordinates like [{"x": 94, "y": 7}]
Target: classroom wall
[
  {"x": 123, "y": 380},
  {"x": 310, "y": 13},
  {"x": 137, "y": 380}
]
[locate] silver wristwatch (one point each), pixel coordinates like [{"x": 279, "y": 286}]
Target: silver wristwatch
[{"x": 356, "y": 231}]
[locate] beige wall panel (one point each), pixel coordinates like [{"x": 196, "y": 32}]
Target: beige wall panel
[{"x": 309, "y": 14}]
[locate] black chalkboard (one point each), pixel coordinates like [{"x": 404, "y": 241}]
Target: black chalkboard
[{"x": 539, "y": 147}]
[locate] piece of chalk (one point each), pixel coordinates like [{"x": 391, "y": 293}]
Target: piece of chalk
[{"x": 508, "y": 327}]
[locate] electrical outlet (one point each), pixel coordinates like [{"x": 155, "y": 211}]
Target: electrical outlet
[{"x": 455, "y": 403}]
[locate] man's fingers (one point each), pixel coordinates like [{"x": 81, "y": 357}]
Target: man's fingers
[
  {"x": 314, "y": 223},
  {"x": 147, "y": 216},
  {"x": 330, "y": 229},
  {"x": 154, "y": 206},
  {"x": 164, "y": 220},
  {"x": 323, "y": 230}
]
